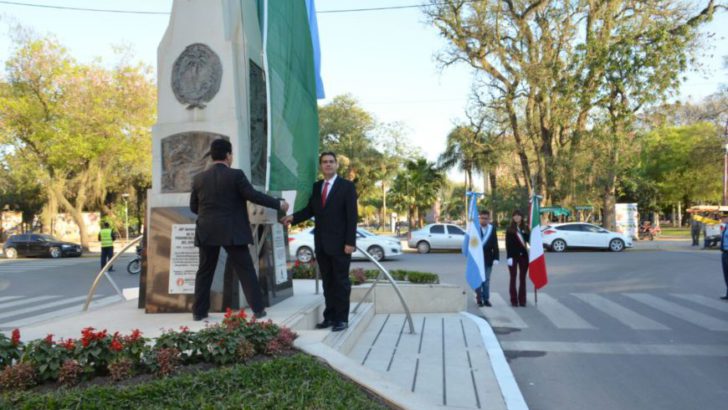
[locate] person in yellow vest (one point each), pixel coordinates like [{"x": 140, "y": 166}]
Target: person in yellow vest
[{"x": 107, "y": 237}]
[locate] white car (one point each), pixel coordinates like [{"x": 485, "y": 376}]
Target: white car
[
  {"x": 436, "y": 236},
  {"x": 559, "y": 237},
  {"x": 301, "y": 245}
]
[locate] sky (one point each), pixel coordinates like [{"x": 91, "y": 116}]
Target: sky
[{"x": 384, "y": 58}]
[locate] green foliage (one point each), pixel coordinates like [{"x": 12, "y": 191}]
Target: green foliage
[
  {"x": 297, "y": 381},
  {"x": 550, "y": 73},
  {"x": 46, "y": 357},
  {"x": 83, "y": 128},
  {"x": 10, "y": 349},
  {"x": 359, "y": 276},
  {"x": 684, "y": 162},
  {"x": 96, "y": 353},
  {"x": 416, "y": 188}
]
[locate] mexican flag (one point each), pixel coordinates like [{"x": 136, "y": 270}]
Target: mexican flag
[
  {"x": 292, "y": 60},
  {"x": 536, "y": 257}
]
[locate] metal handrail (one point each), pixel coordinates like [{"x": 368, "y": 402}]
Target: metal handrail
[
  {"x": 391, "y": 280},
  {"x": 104, "y": 271}
]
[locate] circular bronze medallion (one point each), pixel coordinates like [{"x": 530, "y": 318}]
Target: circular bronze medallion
[{"x": 196, "y": 76}]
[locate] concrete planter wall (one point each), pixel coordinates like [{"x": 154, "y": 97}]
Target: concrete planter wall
[{"x": 440, "y": 298}]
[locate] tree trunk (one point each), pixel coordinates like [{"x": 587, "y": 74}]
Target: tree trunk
[
  {"x": 492, "y": 176},
  {"x": 383, "y": 211},
  {"x": 76, "y": 213},
  {"x": 48, "y": 215},
  {"x": 679, "y": 214}
]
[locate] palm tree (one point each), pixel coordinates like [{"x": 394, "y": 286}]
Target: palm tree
[
  {"x": 416, "y": 188},
  {"x": 469, "y": 149}
]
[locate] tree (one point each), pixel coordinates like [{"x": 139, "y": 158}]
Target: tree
[
  {"x": 86, "y": 128},
  {"x": 549, "y": 65},
  {"x": 347, "y": 129},
  {"x": 416, "y": 188}
]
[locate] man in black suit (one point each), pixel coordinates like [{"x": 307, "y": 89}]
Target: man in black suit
[
  {"x": 491, "y": 255},
  {"x": 333, "y": 205},
  {"x": 219, "y": 198}
]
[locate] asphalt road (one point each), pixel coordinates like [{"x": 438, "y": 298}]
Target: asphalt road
[
  {"x": 36, "y": 289},
  {"x": 642, "y": 329}
]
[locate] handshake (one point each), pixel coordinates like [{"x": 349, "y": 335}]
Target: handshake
[{"x": 286, "y": 220}]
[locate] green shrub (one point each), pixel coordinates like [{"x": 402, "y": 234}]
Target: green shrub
[
  {"x": 399, "y": 274},
  {"x": 235, "y": 340},
  {"x": 422, "y": 277},
  {"x": 9, "y": 349}
]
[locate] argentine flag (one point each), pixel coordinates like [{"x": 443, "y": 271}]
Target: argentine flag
[{"x": 473, "y": 246}]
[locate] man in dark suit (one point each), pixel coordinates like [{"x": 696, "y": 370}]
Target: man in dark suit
[
  {"x": 219, "y": 198},
  {"x": 724, "y": 253},
  {"x": 333, "y": 205},
  {"x": 491, "y": 255}
]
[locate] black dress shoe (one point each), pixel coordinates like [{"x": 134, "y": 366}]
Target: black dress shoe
[
  {"x": 487, "y": 303},
  {"x": 724, "y": 297},
  {"x": 197, "y": 318},
  {"x": 339, "y": 326},
  {"x": 325, "y": 324},
  {"x": 260, "y": 314}
]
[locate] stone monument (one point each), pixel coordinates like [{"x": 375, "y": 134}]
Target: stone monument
[{"x": 211, "y": 85}]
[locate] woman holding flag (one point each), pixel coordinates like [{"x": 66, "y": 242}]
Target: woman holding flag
[{"x": 517, "y": 236}]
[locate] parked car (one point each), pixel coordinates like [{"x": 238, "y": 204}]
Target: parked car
[
  {"x": 301, "y": 245},
  {"x": 436, "y": 236},
  {"x": 712, "y": 235},
  {"x": 559, "y": 237},
  {"x": 32, "y": 244}
]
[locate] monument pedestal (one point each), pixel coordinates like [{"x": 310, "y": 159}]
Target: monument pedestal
[{"x": 210, "y": 86}]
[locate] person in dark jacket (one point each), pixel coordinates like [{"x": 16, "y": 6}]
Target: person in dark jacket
[
  {"x": 219, "y": 198},
  {"x": 724, "y": 253},
  {"x": 333, "y": 205},
  {"x": 517, "y": 236},
  {"x": 491, "y": 255}
]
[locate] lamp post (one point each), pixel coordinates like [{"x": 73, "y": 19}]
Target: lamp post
[{"x": 126, "y": 215}]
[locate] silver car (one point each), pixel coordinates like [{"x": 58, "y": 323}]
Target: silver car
[{"x": 436, "y": 236}]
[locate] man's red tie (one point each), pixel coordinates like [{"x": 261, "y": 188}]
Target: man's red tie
[{"x": 324, "y": 194}]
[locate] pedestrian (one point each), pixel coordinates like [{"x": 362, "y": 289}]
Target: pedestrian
[
  {"x": 107, "y": 236},
  {"x": 517, "y": 236},
  {"x": 491, "y": 255},
  {"x": 219, "y": 198},
  {"x": 695, "y": 228},
  {"x": 724, "y": 253},
  {"x": 333, "y": 205}
]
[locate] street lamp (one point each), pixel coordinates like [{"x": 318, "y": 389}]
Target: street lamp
[{"x": 126, "y": 215}]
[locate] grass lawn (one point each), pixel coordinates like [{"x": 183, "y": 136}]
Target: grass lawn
[
  {"x": 294, "y": 382},
  {"x": 681, "y": 232}
]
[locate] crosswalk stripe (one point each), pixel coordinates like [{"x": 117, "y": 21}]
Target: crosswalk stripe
[
  {"x": 4, "y": 298},
  {"x": 42, "y": 307},
  {"x": 680, "y": 312},
  {"x": 26, "y": 301},
  {"x": 704, "y": 300},
  {"x": 622, "y": 314},
  {"x": 58, "y": 313},
  {"x": 558, "y": 314},
  {"x": 502, "y": 314}
]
